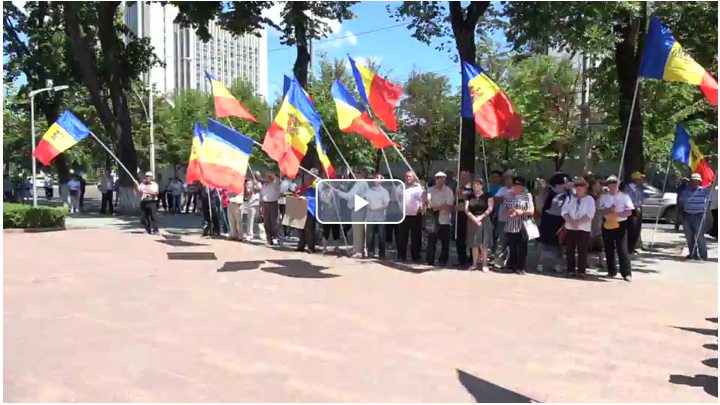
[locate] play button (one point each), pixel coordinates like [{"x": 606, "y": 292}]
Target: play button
[{"x": 359, "y": 203}]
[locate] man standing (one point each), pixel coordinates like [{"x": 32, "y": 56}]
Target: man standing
[
  {"x": 106, "y": 188},
  {"x": 440, "y": 200},
  {"x": 74, "y": 189},
  {"x": 505, "y": 191},
  {"x": 616, "y": 207},
  {"x": 175, "y": 191},
  {"x": 148, "y": 202},
  {"x": 411, "y": 226},
  {"x": 463, "y": 193},
  {"x": 235, "y": 214},
  {"x": 307, "y": 192},
  {"x": 251, "y": 206},
  {"x": 48, "y": 187},
  {"x": 635, "y": 191},
  {"x": 358, "y": 217},
  {"x": 162, "y": 189},
  {"x": 714, "y": 210},
  {"x": 269, "y": 195},
  {"x": 378, "y": 200},
  {"x": 83, "y": 185},
  {"x": 287, "y": 186},
  {"x": 692, "y": 204}
]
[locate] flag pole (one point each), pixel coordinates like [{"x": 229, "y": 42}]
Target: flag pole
[
  {"x": 657, "y": 217},
  {"x": 487, "y": 178},
  {"x": 207, "y": 191},
  {"x": 337, "y": 211},
  {"x": 627, "y": 131},
  {"x": 701, "y": 228},
  {"x": 304, "y": 169},
  {"x": 387, "y": 163},
  {"x": 457, "y": 197},
  {"x": 338, "y": 149},
  {"x": 115, "y": 157},
  {"x": 252, "y": 173}
]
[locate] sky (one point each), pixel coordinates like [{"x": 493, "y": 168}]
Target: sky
[{"x": 395, "y": 48}]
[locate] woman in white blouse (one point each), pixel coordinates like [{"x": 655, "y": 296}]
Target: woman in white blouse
[{"x": 578, "y": 213}]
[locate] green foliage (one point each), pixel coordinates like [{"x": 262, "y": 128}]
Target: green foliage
[{"x": 25, "y": 216}]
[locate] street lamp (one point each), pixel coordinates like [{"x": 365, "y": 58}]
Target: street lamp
[{"x": 32, "y": 131}]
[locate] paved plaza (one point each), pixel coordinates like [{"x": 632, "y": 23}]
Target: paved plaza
[{"x": 106, "y": 313}]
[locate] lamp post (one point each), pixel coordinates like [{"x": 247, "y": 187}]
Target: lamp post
[{"x": 32, "y": 132}]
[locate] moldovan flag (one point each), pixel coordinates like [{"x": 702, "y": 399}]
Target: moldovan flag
[
  {"x": 193, "y": 170},
  {"x": 665, "y": 59},
  {"x": 324, "y": 160},
  {"x": 352, "y": 117},
  {"x": 295, "y": 125},
  {"x": 378, "y": 93},
  {"x": 62, "y": 134},
  {"x": 484, "y": 101},
  {"x": 685, "y": 151},
  {"x": 226, "y": 105},
  {"x": 223, "y": 158}
]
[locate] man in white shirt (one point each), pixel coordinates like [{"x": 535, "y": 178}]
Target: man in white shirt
[
  {"x": 251, "y": 207},
  {"x": 48, "y": 187},
  {"x": 269, "y": 196},
  {"x": 378, "y": 200},
  {"x": 358, "y": 229},
  {"x": 616, "y": 207},
  {"x": 106, "y": 189},
  {"x": 440, "y": 201},
  {"x": 74, "y": 189},
  {"x": 148, "y": 202},
  {"x": 411, "y": 226}
]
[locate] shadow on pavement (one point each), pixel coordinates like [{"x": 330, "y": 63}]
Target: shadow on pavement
[
  {"x": 402, "y": 266},
  {"x": 191, "y": 256},
  {"x": 297, "y": 268},
  {"x": 708, "y": 382},
  {"x": 241, "y": 266},
  {"x": 664, "y": 256},
  {"x": 180, "y": 243},
  {"x": 486, "y": 392}
]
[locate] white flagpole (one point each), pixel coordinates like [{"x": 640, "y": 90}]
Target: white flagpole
[
  {"x": 702, "y": 221},
  {"x": 387, "y": 163},
  {"x": 338, "y": 150},
  {"x": 115, "y": 157},
  {"x": 627, "y": 131},
  {"x": 487, "y": 178},
  {"x": 457, "y": 197},
  {"x": 207, "y": 190},
  {"x": 657, "y": 217}
]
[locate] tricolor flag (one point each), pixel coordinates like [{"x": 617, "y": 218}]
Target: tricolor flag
[
  {"x": 483, "y": 100},
  {"x": 193, "y": 171},
  {"x": 352, "y": 117},
  {"x": 379, "y": 94},
  {"x": 226, "y": 105},
  {"x": 295, "y": 125},
  {"x": 685, "y": 151},
  {"x": 62, "y": 134},
  {"x": 324, "y": 160},
  {"x": 223, "y": 158},
  {"x": 286, "y": 87},
  {"x": 665, "y": 59}
]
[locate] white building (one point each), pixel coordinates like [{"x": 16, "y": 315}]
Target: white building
[{"x": 186, "y": 58}]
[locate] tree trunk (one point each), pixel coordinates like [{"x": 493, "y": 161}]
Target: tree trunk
[
  {"x": 464, "y": 22},
  {"x": 628, "y": 55}
]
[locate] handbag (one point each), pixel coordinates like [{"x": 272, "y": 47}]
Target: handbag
[
  {"x": 530, "y": 230},
  {"x": 431, "y": 222}
]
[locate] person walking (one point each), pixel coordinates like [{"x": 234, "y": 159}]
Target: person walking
[
  {"x": 106, "y": 189},
  {"x": 74, "y": 189},
  {"x": 616, "y": 207},
  {"x": 148, "y": 202},
  {"x": 518, "y": 206},
  {"x": 359, "y": 189},
  {"x": 440, "y": 200},
  {"x": 49, "y": 187},
  {"x": 479, "y": 208},
  {"x": 269, "y": 196},
  {"x": 635, "y": 190},
  {"x": 378, "y": 200},
  {"x": 411, "y": 227},
  {"x": 463, "y": 192},
  {"x": 578, "y": 213},
  {"x": 693, "y": 204}
]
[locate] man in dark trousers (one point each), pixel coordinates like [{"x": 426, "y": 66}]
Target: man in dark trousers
[
  {"x": 463, "y": 192},
  {"x": 635, "y": 191},
  {"x": 411, "y": 227},
  {"x": 106, "y": 188},
  {"x": 83, "y": 184},
  {"x": 307, "y": 191},
  {"x": 210, "y": 212}
]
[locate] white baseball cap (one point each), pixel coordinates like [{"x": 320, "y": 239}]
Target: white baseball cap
[
  {"x": 148, "y": 174},
  {"x": 440, "y": 174}
]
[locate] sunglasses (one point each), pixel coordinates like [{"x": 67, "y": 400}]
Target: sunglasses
[{"x": 518, "y": 184}]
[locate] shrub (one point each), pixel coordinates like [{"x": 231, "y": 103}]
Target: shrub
[{"x": 26, "y": 216}]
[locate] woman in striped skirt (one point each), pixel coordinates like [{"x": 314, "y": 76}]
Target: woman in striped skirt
[{"x": 518, "y": 206}]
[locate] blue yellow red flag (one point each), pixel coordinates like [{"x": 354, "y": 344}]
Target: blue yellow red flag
[
  {"x": 62, "y": 134},
  {"x": 223, "y": 158},
  {"x": 665, "y": 59},
  {"x": 379, "y": 94},
  {"x": 487, "y": 104},
  {"x": 193, "y": 171},
  {"x": 324, "y": 160},
  {"x": 226, "y": 105},
  {"x": 352, "y": 117},
  {"x": 685, "y": 151}
]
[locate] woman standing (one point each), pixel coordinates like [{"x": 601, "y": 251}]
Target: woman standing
[
  {"x": 518, "y": 206},
  {"x": 551, "y": 222},
  {"x": 479, "y": 208},
  {"x": 578, "y": 213}
]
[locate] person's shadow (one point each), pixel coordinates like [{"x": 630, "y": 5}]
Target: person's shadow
[{"x": 486, "y": 392}]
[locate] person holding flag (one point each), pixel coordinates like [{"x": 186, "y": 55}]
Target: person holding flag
[{"x": 693, "y": 204}]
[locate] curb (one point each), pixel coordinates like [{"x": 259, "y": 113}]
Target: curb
[{"x": 34, "y": 230}]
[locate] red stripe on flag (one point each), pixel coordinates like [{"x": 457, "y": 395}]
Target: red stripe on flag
[
  {"x": 223, "y": 177},
  {"x": 709, "y": 87},
  {"x": 707, "y": 174},
  {"x": 45, "y": 152},
  {"x": 384, "y": 97},
  {"x": 365, "y": 126},
  {"x": 193, "y": 172},
  {"x": 493, "y": 117},
  {"x": 230, "y": 107},
  {"x": 278, "y": 148}
]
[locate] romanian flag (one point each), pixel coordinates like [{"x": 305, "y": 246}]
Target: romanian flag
[
  {"x": 193, "y": 171},
  {"x": 685, "y": 151},
  {"x": 352, "y": 117},
  {"x": 226, "y": 105},
  {"x": 665, "y": 59},
  {"x": 295, "y": 125},
  {"x": 484, "y": 101},
  {"x": 62, "y": 134},
  {"x": 223, "y": 158},
  {"x": 322, "y": 155},
  {"x": 378, "y": 93}
]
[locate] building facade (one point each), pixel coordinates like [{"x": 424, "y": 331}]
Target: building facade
[{"x": 186, "y": 57}]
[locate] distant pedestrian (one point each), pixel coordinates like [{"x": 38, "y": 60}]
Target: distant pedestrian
[
  {"x": 106, "y": 189},
  {"x": 308, "y": 192},
  {"x": 83, "y": 185},
  {"x": 163, "y": 192},
  {"x": 49, "y": 188},
  {"x": 411, "y": 227},
  {"x": 74, "y": 189},
  {"x": 287, "y": 186}
]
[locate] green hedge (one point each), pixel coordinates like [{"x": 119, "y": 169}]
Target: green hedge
[{"x": 25, "y": 216}]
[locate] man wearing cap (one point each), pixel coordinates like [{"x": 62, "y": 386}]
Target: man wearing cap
[
  {"x": 440, "y": 200},
  {"x": 635, "y": 191},
  {"x": 616, "y": 207},
  {"x": 692, "y": 204},
  {"x": 148, "y": 190}
]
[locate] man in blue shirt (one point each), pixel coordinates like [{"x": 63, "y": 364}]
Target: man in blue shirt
[
  {"x": 692, "y": 204},
  {"x": 635, "y": 191}
]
